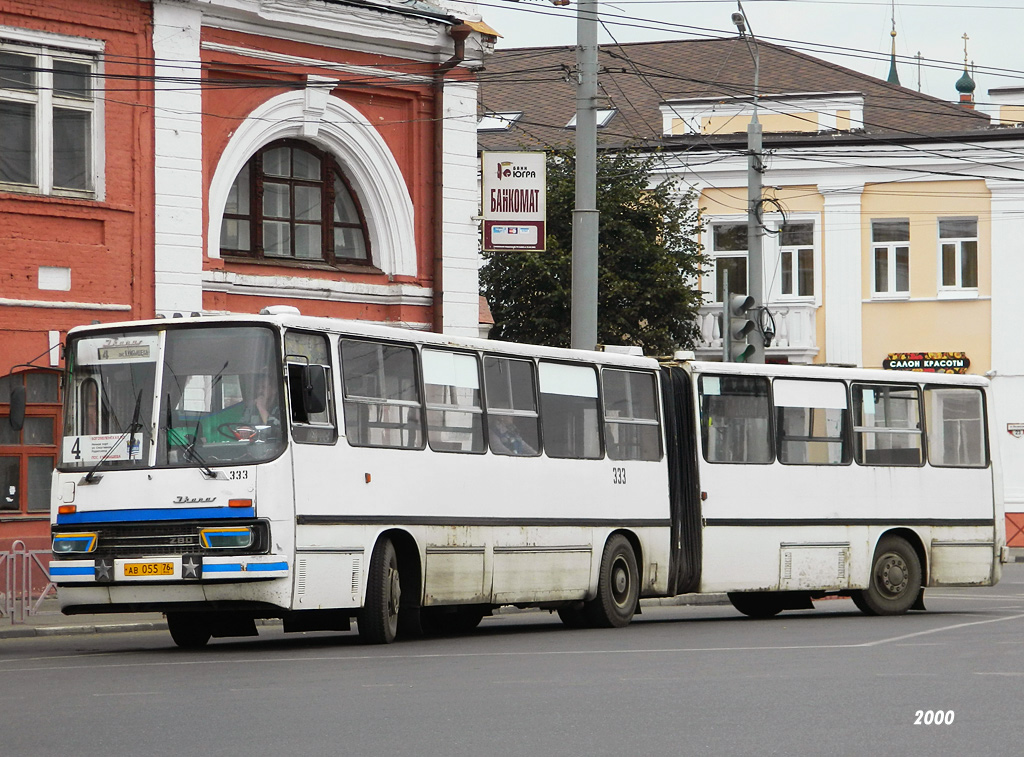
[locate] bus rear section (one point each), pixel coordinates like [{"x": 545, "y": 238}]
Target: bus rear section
[{"x": 820, "y": 481}]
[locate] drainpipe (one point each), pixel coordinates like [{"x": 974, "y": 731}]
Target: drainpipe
[{"x": 459, "y": 34}]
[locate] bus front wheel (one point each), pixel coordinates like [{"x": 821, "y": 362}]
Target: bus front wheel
[
  {"x": 895, "y": 579},
  {"x": 378, "y": 620},
  {"x": 189, "y": 630},
  {"x": 618, "y": 586}
]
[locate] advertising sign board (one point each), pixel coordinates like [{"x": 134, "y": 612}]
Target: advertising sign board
[{"x": 514, "y": 201}]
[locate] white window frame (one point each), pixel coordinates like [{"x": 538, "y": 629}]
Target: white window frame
[
  {"x": 890, "y": 292},
  {"x": 957, "y": 290},
  {"x": 711, "y": 278},
  {"x": 45, "y": 47},
  {"x": 814, "y": 247}
]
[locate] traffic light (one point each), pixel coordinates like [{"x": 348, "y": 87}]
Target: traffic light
[{"x": 739, "y": 322}]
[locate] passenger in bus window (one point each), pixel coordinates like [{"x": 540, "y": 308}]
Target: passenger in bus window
[{"x": 507, "y": 439}]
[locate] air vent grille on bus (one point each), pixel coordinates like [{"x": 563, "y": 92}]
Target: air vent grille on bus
[{"x": 357, "y": 569}]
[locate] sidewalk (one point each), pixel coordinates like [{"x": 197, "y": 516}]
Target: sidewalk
[{"x": 49, "y": 621}]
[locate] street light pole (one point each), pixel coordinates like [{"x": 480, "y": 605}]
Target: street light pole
[
  {"x": 585, "y": 215},
  {"x": 755, "y": 168}
]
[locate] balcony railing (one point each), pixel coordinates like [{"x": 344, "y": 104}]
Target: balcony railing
[{"x": 795, "y": 332}]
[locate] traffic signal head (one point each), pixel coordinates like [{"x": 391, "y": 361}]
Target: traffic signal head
[{"x": 741, "y": 323}]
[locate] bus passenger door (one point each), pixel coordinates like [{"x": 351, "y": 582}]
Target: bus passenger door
[
  {"x": 328, "y": 569},
  {"x": 682, "y": 444}
]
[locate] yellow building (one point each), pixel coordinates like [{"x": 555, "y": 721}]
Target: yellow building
[{"x": 893, "y": 222}]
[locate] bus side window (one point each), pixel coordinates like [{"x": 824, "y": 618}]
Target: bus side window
[
  {"x": 308, "y": 357},
  {"x": 811, "y": 421},
  {"x": 631, "y": 429},
  {"x": 887, "y": 424},
  {"x": 455, "y": 416},
  {"x": 513, "y": 424},
  {"x": 955, "y": 419},
  {"x": 735, "y": 419},
  {"x": 569, "y": 410},
  {"x": 382, "y": 396}
]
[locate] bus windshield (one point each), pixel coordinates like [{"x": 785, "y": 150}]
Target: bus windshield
[{"x": 218, "y": 390}]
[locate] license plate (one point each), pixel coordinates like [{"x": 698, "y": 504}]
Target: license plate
[{"x": 143, "y": 569}]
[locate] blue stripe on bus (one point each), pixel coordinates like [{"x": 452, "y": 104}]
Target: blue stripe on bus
[
  {"x": 222, "y": 568},
  {"x": 128, "y": 516},
  {"x": 88, "y": 570},
  {"x": 253, "y": 568},
  {"x": 237, "y": 567}
]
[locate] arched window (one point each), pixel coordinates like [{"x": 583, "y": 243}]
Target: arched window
[{"x": 292, "y": 202}]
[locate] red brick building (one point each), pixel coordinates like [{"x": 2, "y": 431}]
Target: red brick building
[{"x": 165, "y": 156}]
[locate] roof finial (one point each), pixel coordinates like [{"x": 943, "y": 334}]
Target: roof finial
[
  {"x": 965, "y": 84},
  {"x": 894, "y": 77}
]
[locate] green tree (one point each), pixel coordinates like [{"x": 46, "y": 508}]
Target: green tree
[{"x": 649, "y": 260}]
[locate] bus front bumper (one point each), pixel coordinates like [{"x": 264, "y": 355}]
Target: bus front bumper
[{"x": 176, "y": 568}]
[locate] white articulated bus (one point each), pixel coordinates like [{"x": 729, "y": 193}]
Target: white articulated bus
[{"x": 225, "y": 469}]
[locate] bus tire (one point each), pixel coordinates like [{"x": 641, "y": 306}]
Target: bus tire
[
  {"x": 189, "y": 630},
  {"x": 618, "y": 586},
  {"x": 573, "y": 616},
  {"x": 895, "y": 580},
  {"x": 378, "y": 620},
  {"x": 756, "y": 604}
]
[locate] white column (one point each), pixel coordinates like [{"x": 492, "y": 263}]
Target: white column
[
  {"x": 841, "y": 238},
  {"x": 461, "y": 233},
  {"x": 1007, "y": 255},
  {"x": 178, "y": 212}
]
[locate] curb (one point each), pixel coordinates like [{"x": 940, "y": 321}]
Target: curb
[{"x": 24, "y": 632}]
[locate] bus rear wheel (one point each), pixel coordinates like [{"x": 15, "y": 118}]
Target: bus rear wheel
[
  {"x": 378, "y": 620},
  {"x": 895, "y": 580},
  {"x": 189, "y": 630},
  {"x": 573, "y": 616},
  {"x": 756, "y": 604},
  {"x": 618, "y": 586}
]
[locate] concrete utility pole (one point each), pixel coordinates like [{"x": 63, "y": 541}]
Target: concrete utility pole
[
  {"x": 584, "y": 215},
  {"x": 755, "y": 167}
]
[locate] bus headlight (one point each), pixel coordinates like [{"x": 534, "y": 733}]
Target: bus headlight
[
  {"x": 226, "y": 538},
  {"x": 70, "y": 544}
]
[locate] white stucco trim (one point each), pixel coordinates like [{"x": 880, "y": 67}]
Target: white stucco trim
[
  {"x": 299, "y": 287},
  {"x": 178, "y": 158},
  {"x": 461, "y": 234},
  {"x": 842, "y": 255},
  {"x": 364, "y": 156}
]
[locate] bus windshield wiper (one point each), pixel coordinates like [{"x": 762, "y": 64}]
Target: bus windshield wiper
[
  {"x": 190, "y": 452},
  {"x": 134, "y": 426}
]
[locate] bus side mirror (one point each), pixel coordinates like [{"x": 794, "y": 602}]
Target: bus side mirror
[
  {"x": 308, "y": 388},
  {"x": 17, "y": 416}
]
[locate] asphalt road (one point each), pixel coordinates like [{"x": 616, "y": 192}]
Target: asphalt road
[{"x": 679, "y": 681}]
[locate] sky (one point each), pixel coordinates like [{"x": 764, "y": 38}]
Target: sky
[{"x": 852, "y": 33}]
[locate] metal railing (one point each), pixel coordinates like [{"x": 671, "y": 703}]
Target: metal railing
[{"x": 22, "y": 572}]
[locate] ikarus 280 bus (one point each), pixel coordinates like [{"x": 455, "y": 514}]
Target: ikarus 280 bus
[{"x": 226, "y": 469}]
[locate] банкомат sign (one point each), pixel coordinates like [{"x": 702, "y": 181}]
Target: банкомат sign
[{"x": 514, "y": 201}]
